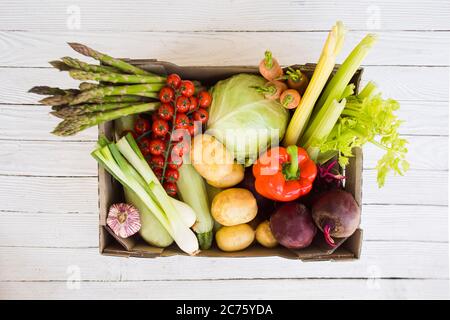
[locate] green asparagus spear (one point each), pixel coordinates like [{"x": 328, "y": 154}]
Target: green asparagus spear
[
  {"x": 115, "y": 77},
  {"x": 73, "y": 111},
  {"x": 137, "y": 89},
  {"x": 71, "y": 126},
  {"x": 45, "y": 90},
  {"x": 119, "y": 64},
  {"x": 78, "y": 64},
  {"x": 58, "y": 100},
  {"x": 83, "y": 86}
]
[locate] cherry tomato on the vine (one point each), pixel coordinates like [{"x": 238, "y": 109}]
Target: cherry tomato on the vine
[
  {"x": 194, "y": 128},
  {"x": 187, "y": 88},
  {"x": 171, "y": 175},
  {"x": 173, "y": 80},
  {"x": 183, "y": 104},
  {"x": 201, "y": 115},
  {"x": 160, "y": 127},
  {"x": 174, "y": 161},
  {"x": 166, "y": 94},
  {"x": 204, "y": 99},
  {"x": 194, "y": 103},
  {"x": 157, "y": 161},
  {"x": 180, "y": 148},
  {"x": 158, "y": 173},
  {"x": 141, "y": 126},
  {"x": 157, "y": 147},
  {"x": 144, "y": 145},
  {"x": 165, "y": 111},
  {"x": 171, "y": 188},
  {"x": 181, "y": 121}
]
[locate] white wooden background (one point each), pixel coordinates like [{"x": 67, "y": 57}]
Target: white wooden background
[{"x": 48, "y": 185}]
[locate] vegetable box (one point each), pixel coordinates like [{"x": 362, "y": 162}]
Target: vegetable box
[{"x": 110, "y": 191}]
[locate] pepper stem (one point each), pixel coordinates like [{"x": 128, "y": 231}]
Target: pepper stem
[
  {"x": 292, "y": 170},
  {"x": 328, "y": 238}
]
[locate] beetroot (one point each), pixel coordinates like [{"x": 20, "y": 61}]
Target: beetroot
[
  {"x": 293, "y": 226},
  {"x": 336, "y": 214}
]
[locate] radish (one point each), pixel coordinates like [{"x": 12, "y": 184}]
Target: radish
[
  {"x": 269, "y": 67},
  {"x": 336, "y": 214}
]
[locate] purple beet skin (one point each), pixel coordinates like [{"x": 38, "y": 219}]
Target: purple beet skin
[
  {"x": 293, "y": 226},
  {"x": 336, "y": 214}
]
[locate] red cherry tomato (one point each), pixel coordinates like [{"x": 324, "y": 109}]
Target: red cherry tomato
[
  {"x": 171, "y": 188},
  {"x": 194, "y": 104},
  {"x": 160, "y": 127},
  {"x": 181, "y": 121},
  {"x": 187, "y": 88},
  {"x": 165, "y": 111},
  {"x": 171, "y": 175},
  {"x": 166, "y": 94},
  {"x": 194, "y": 128},
  {"x": 183, "y": 104},
  {"x": 181, "y": 148},
  {"x": 173, "y": 80},
  {"x": 204, "y": 99},
  {"x": 144, "y": 145},
  {"x": 158, "y": 173},
  {"x": 201, "y": 115},
  {"x": 157, "y": 161},
  {"x": 157, "y": 147},
  {"x": 174, "y": 161},
  {"x": 141, "y": 126}
]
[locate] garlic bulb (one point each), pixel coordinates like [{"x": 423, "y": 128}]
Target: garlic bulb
[{"x": 123, "y": 219}]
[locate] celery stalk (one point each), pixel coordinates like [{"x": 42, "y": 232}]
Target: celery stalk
[
  {"x": 321, "y": 74},
  {"x": 340, "y": 80}
]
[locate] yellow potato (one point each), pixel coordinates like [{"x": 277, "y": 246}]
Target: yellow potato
[
  {"x": 235, "y": 238},
  {"x": 234, "y": 206},
  {"x": 210, "y": 158},
  {"x": 264, "y": 235},
  {"x": 232, "y": 179}
]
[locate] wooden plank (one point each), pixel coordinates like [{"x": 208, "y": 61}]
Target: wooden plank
[
  {"x": 48, "y": 194},
  {"x": 283, "y": 15},
  {"x": 72, "y": 158},
  {"x": 21, "y": 122},
  {"x": 234, "y": 289},
  {"x": 381, "y": 259},
  {"x": 66, "y": 195},
  {"x": 380, "y": 222},
  {"x": 48, "y": 158},
  {"x": 35, "y": 49},
  {"x": 401, "y": 83}
]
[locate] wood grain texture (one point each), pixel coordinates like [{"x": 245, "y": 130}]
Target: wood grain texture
[
  {"x": 80, "y": 230},
  {"x": 230, "y": 289},
  {"x": 35, "y": 49},
  {"x": 383, "y": 259},
  {"x": 285, "y": 15}
]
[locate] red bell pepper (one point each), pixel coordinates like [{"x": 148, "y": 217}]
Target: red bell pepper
[{"x": 284, "y": 174}]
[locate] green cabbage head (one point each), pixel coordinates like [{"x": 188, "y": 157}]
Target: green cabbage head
[{"x": 243, "y": 120}]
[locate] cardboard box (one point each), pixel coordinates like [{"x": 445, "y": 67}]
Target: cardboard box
[{"x": 110, "y": 191}]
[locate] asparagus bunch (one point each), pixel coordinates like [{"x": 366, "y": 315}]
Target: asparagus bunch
[{"x": 93, "y": 103}]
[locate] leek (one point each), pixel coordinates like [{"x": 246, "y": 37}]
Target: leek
[
  {"x": 327, "y": 60},
  {"x": 124, "y": 164}
]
